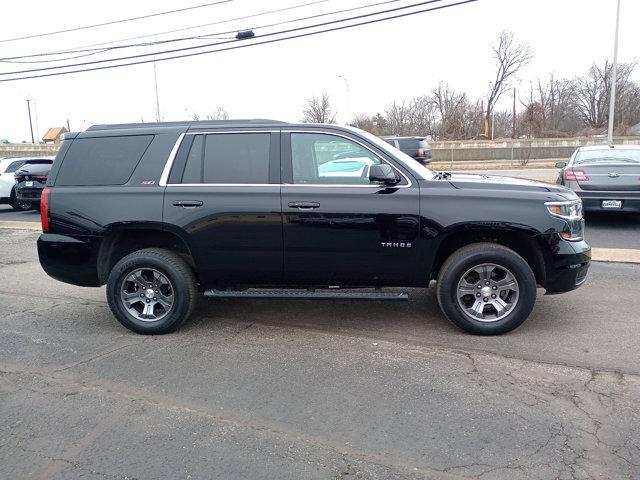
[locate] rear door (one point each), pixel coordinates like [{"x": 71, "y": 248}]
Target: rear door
[{"x": 223, "y": 196}]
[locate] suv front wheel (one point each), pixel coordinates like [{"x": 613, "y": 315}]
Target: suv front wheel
[
  {"x": 486, "y": 289},
  {"x": 151, "y": 291}
]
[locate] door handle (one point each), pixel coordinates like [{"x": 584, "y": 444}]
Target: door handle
[
  {"x": 187, "y": 203},
  {"x": 304, "y": 205}
]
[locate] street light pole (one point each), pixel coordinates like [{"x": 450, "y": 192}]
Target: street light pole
[
  {"x": 614, "y": 78},
  {"x": 346, "y": 85},
  {"x": 30, "y": 123}
]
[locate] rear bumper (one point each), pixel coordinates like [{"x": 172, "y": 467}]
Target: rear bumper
[
  {"x": 69, "y": 259},
  {"x": 567, "y": 265},
  {"x": 592, "y": 201},
  {"x": 29, "y": 194}
]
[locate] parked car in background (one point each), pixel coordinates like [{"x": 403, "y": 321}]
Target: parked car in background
[
  {"x": 416, "y": 147},
  {"x": 8, "y": 167},
  {"x": 606, "y": 178},
  {"x": 31, "y": 179}
]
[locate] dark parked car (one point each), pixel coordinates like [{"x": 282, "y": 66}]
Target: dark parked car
[
  {"x": 416, "y": 147},
  {"x": 246, "y": 209},
  {"x": 8, "y": 167},
  {"x": 31, "y": 178},
  {"x": 606, "y": 178}
]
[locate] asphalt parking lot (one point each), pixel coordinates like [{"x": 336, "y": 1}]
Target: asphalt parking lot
[{"x": 315, "y": 389}]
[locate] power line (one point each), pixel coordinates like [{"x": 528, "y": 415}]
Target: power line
[
  {"x": 87, "y": 49},
  {"x": 199, "y": 37},
  {"x": 246, "y": 45},
  {"x": 113, "y": 22},
  {"x": 184, "y": 49}
]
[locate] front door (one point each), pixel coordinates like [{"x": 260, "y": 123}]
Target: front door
[
  {"x": 339, "y": 228},
  {"x": 223, "y": 197}
]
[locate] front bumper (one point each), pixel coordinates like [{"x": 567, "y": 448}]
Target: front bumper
[
  {"x": 69, "y": 259},
  {"x": 566, "y": 265},
  {"x": 592, "y": 201}
]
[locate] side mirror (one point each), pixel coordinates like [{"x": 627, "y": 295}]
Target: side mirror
[
  {"x": 561, "y": 164},
  {"x": 383, "y": 173}
]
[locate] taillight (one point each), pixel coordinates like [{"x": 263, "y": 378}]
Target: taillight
[
  {"x": 44, "y": 209},
  {"x": 421, "y": 152},
  {"x": 40, "y": 178},
  {"x": 576, "y": 176}
]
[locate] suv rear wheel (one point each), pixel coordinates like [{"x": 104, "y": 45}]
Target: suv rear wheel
[
  {"x": 486, "y": 289},
  {"x": 151, "y": 291}
]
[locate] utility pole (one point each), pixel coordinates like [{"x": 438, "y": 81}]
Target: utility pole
[
  {"x": 30, "y": 123},
  {"x": 614, "y": 79},
  {"x": 155, "y": 79},
  {"x": 513, "y": 128}
]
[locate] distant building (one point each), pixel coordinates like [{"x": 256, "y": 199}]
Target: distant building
[
  {"x": 635, "y": 130},
  {"x": 54, "y": 135}
]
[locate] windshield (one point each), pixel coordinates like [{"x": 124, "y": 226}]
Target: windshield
[
  {"x": 416, "y": 168},
  {"x": 608, "y": 156}
]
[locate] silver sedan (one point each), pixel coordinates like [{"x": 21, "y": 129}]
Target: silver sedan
[{"x": 606, "y": 178}]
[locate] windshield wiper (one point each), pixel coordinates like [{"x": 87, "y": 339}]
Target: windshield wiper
[{"x": 442, "y": 175}]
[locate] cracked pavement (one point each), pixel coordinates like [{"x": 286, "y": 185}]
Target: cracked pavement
[{"x": 315, "y": 389}]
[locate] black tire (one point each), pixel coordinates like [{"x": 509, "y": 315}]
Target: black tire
[
  {"x": 19, "y": 206},
  {"x": 175, "y": 269},
  {"x": 464, "y": 259}
]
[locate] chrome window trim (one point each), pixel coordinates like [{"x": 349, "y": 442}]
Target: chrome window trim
[
  {"x": 169, "y": 163},
  {"x": 328, "y": 132},
  {"x": 174, "y": 151}
]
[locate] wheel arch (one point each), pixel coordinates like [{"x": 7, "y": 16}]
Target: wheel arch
[
  {"x": 520, "y": 240},
  {"x": 120, "y": 240}
]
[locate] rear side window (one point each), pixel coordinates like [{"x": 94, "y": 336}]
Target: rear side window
[
  {"x": 102, "y": 160},
  {"x": 228, "y": 158},
  {"x": 409, "y": 143},
  {"x": 13, "y": 166}
]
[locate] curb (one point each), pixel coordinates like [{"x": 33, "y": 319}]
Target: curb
[
  {"x": 615, "y": 255},
  {"x": 15, "y": 225}
]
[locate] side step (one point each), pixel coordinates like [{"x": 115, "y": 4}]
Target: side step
[{"x": 299, "y": 294}]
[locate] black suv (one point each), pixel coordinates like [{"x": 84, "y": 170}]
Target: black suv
[
  {"x": 263, "y": 209},
  {"x": 416, "y": 147}
]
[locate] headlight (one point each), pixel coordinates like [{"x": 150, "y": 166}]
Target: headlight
[{"x": 571, "y": 212}]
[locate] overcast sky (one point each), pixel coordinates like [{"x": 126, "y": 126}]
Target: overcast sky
[{"x": 381, "y": 63}]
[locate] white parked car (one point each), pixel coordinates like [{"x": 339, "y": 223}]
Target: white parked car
[{"x": 8, "y": 167}]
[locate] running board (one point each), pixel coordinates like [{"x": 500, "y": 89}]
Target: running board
[{"x": 299, "y": 294}]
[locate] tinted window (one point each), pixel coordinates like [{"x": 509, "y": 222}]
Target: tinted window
[
  {"x": 103, "y": 160},
  {"x": 228, "y": 158},
  {"x": 328, "y": 159},
  {"x": 408, "y": 143},
  {"x": 193, "y": 168}
]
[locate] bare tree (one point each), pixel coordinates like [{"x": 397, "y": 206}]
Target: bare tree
[
  {"x": 318, "y": 110},
  {"x": 219, "y": 114},
  {"x": 375, "y": 124},
  {"x": 593, "y": 92},
  {"x": 398, "y": 117},
  {"x": 458, "y": 118},
  {"x": 510, "y": 57}
]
